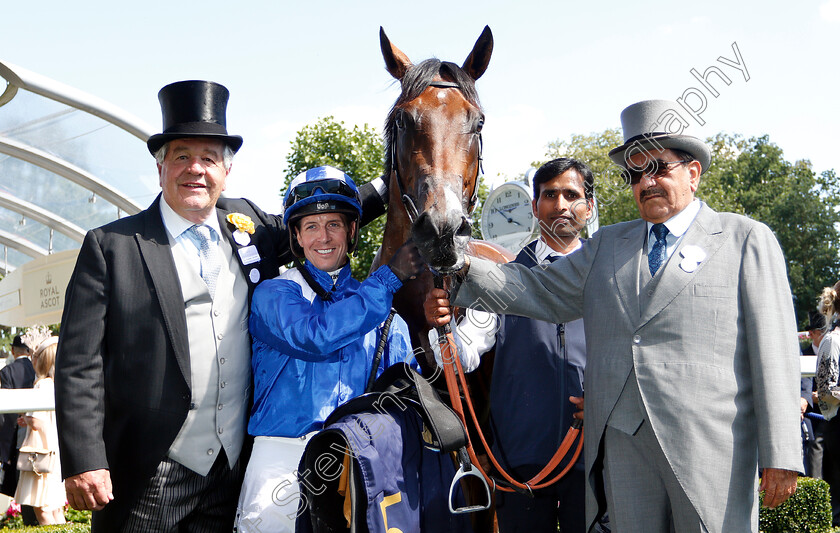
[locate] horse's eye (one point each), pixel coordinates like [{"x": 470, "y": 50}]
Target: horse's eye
[
  {"x": 398, "y": 121},
  {"x": 479, "y": 125}
]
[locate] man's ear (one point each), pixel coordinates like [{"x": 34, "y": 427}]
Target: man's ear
[
  {"x": 160, "y": 175},
  {"x": 694, "y": 170}
]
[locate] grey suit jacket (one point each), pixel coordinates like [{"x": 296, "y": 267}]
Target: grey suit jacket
[{"x": 714, "y": 351}]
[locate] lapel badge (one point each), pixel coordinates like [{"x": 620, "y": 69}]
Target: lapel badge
[
  {"x": 241, "y": 238},
  {"x": 692, "y": 257}
]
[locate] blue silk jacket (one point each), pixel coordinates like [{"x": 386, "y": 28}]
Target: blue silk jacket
[{"x": 310, "y": 355}]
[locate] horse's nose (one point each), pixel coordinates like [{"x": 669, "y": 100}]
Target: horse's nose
[
  {"x": 465, "y": 228},
  {"x": 425, "y": 228}
]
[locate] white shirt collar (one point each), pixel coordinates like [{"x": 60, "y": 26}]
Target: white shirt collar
[
  {"x": 678, "y": 224},
  {"x": 543, "y": 251},
  {"x": 175, "y": 224}
]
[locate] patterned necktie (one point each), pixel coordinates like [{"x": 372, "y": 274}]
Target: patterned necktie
[
  {"x": 209, "y": 255},
  {"x": 656, "y": 255}
]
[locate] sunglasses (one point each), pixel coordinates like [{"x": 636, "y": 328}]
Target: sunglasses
[
  {"x": 307, "y": 189},
  {"x": 655, "y": 168}
]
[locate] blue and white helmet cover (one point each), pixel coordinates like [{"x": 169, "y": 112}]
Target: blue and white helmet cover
[{"x": 324, "y": 173}]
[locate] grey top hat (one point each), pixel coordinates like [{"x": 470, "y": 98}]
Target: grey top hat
[
  {"x": 193, "y": 109},
  {"x": 657, "y": 124}
]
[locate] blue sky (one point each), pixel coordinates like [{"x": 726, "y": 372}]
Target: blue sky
[{"x": 558, "y": 67}]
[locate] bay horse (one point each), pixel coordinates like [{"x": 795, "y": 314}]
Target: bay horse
[{"x": 433, "y": 157}]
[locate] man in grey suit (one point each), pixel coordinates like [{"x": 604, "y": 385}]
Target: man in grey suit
[{"x": 693, "y": 361}]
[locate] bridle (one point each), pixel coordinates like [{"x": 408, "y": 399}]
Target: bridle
[{"x": 408, "y": 202}]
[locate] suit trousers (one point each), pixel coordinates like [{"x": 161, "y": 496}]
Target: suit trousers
[
  {"x": 177, "y": 499},
  {"x": 643, "y": 494},
  {"x": 814, "y": 450},
  {"x": 561, "y": 503}
]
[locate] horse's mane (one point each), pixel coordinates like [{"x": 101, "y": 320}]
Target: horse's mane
[{"x": 416, "y": 80}]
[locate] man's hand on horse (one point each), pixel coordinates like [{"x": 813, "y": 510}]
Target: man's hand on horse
[
  {"x": 437, "y": 308},
  {"x": 407, "y": 263}
]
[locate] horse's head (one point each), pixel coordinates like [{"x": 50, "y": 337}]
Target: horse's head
[{"x": 433, "y": 148}]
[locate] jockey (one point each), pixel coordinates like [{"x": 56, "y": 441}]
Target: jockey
[{"x": 315, "y": 331}]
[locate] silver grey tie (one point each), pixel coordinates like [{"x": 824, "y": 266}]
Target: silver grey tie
[{"x": 209, "y": 254}]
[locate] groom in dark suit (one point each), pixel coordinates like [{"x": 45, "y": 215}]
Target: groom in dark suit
[{"x": 153, "y": 368}]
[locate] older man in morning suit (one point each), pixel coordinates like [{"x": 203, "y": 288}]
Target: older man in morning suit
[
  {"x": 693, "y": 362},
  {"x": 153, "y": 368}
]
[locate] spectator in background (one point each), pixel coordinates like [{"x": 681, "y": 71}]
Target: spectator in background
[
  {"x": 19, "y": 374},
  {"x": 43, "y": 491},
  {"x": 813, "y": 445},
  {"x": 828, "y": 390}
]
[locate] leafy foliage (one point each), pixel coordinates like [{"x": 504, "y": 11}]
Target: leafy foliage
[
  {"x": 483, "y": 191},
  {"x": 750, "y": 177},
  {"x": 808, "y": 510},
  {"x": 360, "y": 153}
]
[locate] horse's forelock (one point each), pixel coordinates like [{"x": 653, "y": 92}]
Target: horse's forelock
[{"x": 416, "y": 80}]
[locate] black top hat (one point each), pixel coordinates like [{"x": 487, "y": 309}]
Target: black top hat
[
  {"x": 18, "y": 343},
  {"x": 193, "y": 109},
  {"x": 816, "y": 320}
]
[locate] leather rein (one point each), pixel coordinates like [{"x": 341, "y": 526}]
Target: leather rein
[{"x": 455, "y": 379}]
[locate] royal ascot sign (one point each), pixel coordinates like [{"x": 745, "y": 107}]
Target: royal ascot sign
[{"x": 34, "y": 293}]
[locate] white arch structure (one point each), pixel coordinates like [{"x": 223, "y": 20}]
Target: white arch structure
[{"x": 45, "y": 222}]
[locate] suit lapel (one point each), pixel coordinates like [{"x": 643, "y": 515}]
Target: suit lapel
[
  {"x": 227, "y": 233},
  {"x": 157, "y": 256},
  {"x": 251, "y": 271},
  {"x": 706, "y": 233},
  {"x": 627, "y": 259}
]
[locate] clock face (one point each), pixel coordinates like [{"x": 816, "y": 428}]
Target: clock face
[{"x": 506, "y": 217}]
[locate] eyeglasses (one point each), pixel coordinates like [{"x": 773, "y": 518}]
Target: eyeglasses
[
  {"x": 307, "y": 189},
  {"x": 655, "y": 168}
]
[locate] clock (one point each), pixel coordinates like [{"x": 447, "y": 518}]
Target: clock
[{"x": 507, "y": 218}]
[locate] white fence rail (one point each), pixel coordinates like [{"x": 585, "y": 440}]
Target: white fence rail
[{"x": 25, "y": 400}]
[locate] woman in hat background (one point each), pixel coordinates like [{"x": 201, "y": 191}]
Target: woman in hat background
[
  {"x": 828, "y": 391},
  {"x": 315, "y": 330},
  {"x": 43, "y": 491}
]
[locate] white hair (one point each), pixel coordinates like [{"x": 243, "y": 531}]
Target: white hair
[{"x": 227, "y": 156}]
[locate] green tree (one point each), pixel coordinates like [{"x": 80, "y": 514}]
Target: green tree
[
  {"x": 483, "y": 191},
  {"x": 358, "y": 151},
  {"x": 750, "y": 177}
]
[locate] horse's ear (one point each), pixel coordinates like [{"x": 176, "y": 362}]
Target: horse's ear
[
  {"x": 476, "y": 63},
  {"x": 396, "y": 62}
]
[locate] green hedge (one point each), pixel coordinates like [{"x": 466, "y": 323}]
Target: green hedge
[{"x": 807, "y": 511}]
